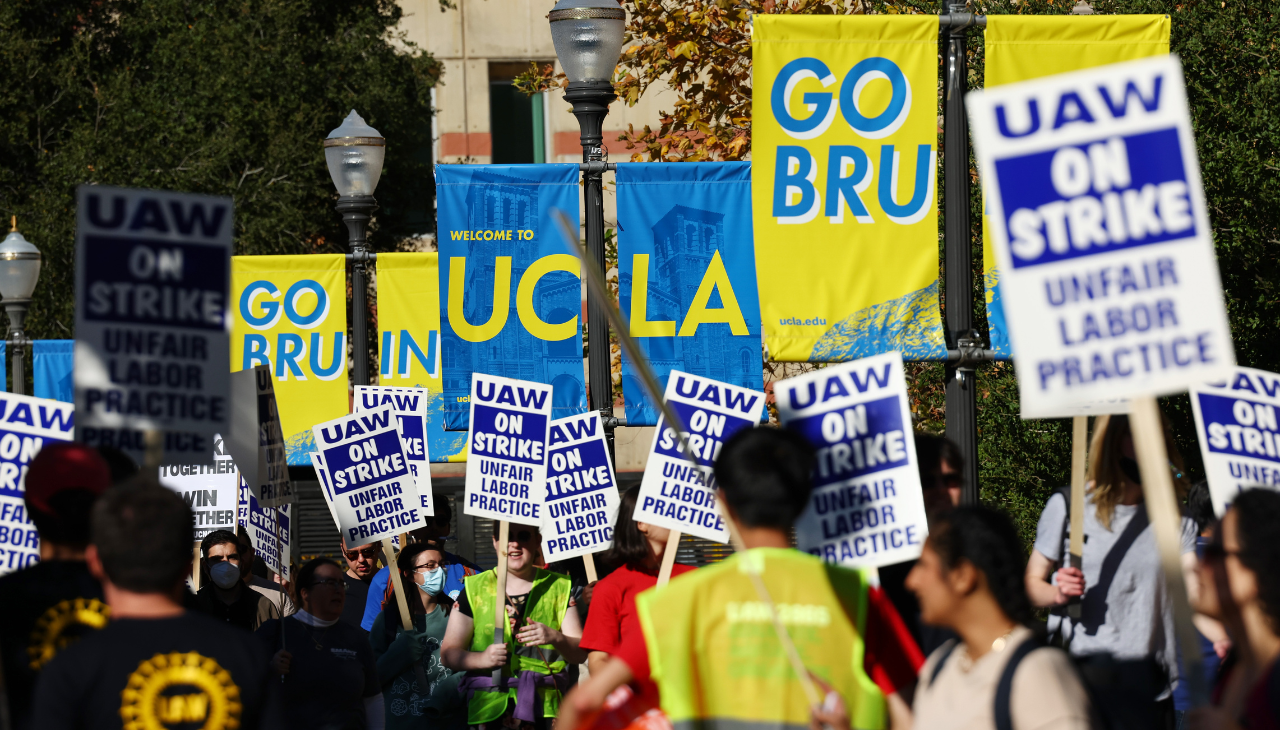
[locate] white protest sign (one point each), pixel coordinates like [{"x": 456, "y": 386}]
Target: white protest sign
[
  {"x": 153, "y": 270},
  {"x": 673, "y": 493},
  {"x": 867, "y": 508},
  {"x": 269, "y": 531},
  {"x": 1239, "y": 437},
  {"x": 211, "y": 490},
  {"x": 373, "y": 493},
  {"x": 507, "y": 466},
  {"x": 256, "y": 441},
  {"x": 326, "y": 488},
  {"x": 582, "y": 493},
  {"x": 26, "y": 425},
  {"x": 1100, "y": 228},
  {"x": 410, "y": 408}
]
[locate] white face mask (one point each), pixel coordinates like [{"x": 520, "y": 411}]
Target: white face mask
[{"x": 225, "y": 575}]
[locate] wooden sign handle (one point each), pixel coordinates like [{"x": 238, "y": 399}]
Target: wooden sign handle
[
  {"x": 1166, "y": 520},
  {"x": 1079, "y": 462},
  {"x": 589, "y": 562},
  {"x": 195, "y": 567},
  {"x": 668, "y": 558},
  {"x": 500, "y": 595},
  {"x": 402, "y": 601}
]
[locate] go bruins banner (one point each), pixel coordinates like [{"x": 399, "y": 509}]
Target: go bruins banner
[
  {"x": 687, "y": 275},
  {"x": 290, "y": 314},
  {"x": 1024, "y": 47},
  {"x": 843, "y": 157},
  {"x": 511, "y": 291},
  {"x": 409, "y": 338}
]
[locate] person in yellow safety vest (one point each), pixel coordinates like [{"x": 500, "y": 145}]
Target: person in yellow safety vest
[
  {"x": 707, "y": 639},
  {"x": 538, "y": 618}
]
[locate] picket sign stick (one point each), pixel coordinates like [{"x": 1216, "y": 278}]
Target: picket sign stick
[
  {"x": 597, "y": 287},
  {"x": 1162, "y": 510},
  {"x": 397, "y": 587},
  {"x": 589, "y": 562},
  {"x": 1079, "y": 440},
  {"x": 195, "y": 567},
  {"x": 153, "y": 442},
  {"x": 500, "y": 595}
]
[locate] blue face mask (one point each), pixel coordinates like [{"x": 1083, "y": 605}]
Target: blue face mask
[{"x": 433, "y": 582}]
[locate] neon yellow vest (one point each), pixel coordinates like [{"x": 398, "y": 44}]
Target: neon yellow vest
[
  {"x": 718, "y": 663},
  {"x": 548, "y": 600}
]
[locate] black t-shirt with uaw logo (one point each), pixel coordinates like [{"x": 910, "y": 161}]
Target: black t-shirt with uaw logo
[
  {"x": 43, "y": 610},
  {"x": 180, "y": 673}
]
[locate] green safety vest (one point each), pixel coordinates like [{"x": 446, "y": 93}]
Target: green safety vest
[
  {"x": 717, "y": 660},
  {"x": 547, "y": 602}
]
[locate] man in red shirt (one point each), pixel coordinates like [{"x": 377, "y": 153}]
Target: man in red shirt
[{"x": 764, "y": 483}]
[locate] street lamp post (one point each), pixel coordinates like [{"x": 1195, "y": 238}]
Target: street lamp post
[
  {"x": 19, "y": 272},
  {"x": 354, "y": 153},
  {"x": 588, "y": 38}
]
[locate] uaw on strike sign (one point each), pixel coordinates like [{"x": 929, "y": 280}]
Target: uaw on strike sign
[
  {"x": 582, "y": 494},
  {"x": 675, "y": 493},
  {"x": 867, "y": 509},
  {"x": 1101, "y": 231},
  {"x": 153, "y": 270},
  {"x": 1238, "y": 426},
  {"x": 507, "y": 466}
]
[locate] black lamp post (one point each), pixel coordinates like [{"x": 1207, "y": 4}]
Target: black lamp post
[
  {"x": 19, "y": 272},
  {"x": 354, "y": 152},
  {"x": 588, "y": 40}
]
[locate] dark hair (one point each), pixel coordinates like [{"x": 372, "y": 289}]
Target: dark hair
[
  {"x": 444, "y": 513},
  {"x": 1200, "y": 505},
  {"x": 404, "y": 563},
  {"x": 67, "y": 521},
  {"x": 987, "y": 539},
  {"x": 630, "y": 546},
  {"x": 1257, "y": 514},
  {"x": 142, "y": 532},
  {"x": 216, "y": 538},
  {"x": 307, "y": 577},
  {"x": 932, "y": 451},
  {"x": 763, "y": 474}
]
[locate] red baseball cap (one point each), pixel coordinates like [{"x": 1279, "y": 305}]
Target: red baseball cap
[{"x": 63, "y": 466}]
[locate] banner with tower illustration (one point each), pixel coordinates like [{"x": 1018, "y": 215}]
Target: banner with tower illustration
[
  {"x": 687, "y": 275},
  {"x": 510, "y": 291}
]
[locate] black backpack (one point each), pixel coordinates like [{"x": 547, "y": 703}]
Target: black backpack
[{"x": 1123, "y": 692}]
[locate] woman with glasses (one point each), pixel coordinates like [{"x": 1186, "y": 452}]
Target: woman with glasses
[
  {"x": 1240, "y": 585},
  {"x": 540, "y": 634},
  {"x": 1124, "y": 609},
  {"x": 329, "y": 675},
  {"x": 408, "y": 659}
]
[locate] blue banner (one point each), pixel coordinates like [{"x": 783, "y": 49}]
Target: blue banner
[
  {"x": 687, "y": 275},
  {"x": 511, "y": 291},
  {"x": 51, "y": 364}
]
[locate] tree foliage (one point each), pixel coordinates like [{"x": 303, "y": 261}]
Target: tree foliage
[{"x": 226, "y": 97}]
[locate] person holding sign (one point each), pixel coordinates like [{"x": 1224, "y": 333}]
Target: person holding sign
[
  {"x": 52, "y": 603},
  {"x": 740, "y": 675},
  {"x": 329, "y": 673},
  {"x": 1125, "y": 610},
  {"x": 636, "y": 554},
  {"x": 538, "y": 620},
  {"x": 969, "y": 580},
  {"x": 410, "y": 706}
]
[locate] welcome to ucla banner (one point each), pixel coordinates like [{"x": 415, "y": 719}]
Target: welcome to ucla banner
[
  {"x": 1024, "y": 47},
  {"x": 687, "y": 275},
  {"x": 409, "y": 337},
  {"x": 290, "y": 313},
  {"x": 843, "y": 158},
  {"x": 512, "y": 292}
]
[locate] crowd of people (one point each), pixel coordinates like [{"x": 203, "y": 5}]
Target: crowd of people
[{"x": 979, "y": 632}]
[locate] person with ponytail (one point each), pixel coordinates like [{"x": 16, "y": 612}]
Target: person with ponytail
[
  {"x": 997, "y": 674},
  {"x": 406, "y": 658},
  {"x": 635, "y": 556}
]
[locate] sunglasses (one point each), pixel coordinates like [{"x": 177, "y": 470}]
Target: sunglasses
[
  {"x": 518, "y": 536},
  {"x": 335, "y": 583},
  {"x": 369, "y": 553}
]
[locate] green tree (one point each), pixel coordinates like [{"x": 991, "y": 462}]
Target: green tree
[{"x": 226, "y": 97}]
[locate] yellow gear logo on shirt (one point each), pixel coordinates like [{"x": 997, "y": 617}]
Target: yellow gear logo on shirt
[
  {"x": 56, "y": 628},
  {"x": 176, "y": 689}
]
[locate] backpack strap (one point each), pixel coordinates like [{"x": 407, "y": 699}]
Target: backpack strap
[
  {"x": 1004, "y": 690},
  {"x": 945, "y": 654}
]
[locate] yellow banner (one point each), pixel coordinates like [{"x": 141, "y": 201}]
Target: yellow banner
[
  {"x": 1024, "y": 47},
  {"x": 842, "y": 176},
  {"x": 409, "y": 341},
  {"x": 291, "y": 314}
]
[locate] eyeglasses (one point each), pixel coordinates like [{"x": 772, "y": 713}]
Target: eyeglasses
[
  {"x": 428, "y": 566},
  {"x": 370, "y": 553},
  {"x": 335, "y": 583}
]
